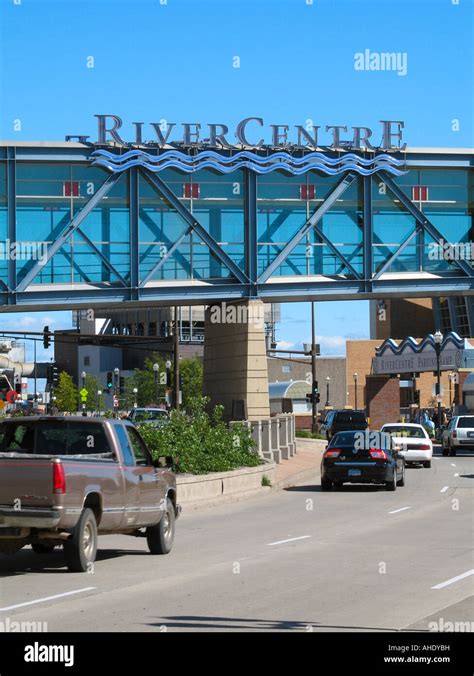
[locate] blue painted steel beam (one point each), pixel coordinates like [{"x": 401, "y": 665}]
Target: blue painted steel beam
[
  {"x": 70, "y": 228},
  {"x": 422, "y": 219},
  {"x": 250, "y": 228},
  {"x": 11, "y": 217},
  {"x": 70, "y": 297},
  {"x": 470, "y": 315},
  {"x": 188, "y": 218},
  {"x": 311, "y": 223},
  {"x": 134, "y": 246},
  {"x": 368, "y": 233},
  {"x": 453, "y": 313}
]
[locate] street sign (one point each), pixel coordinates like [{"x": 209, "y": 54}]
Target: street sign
[
  {"x": 11, "y": 396},
  {"x": 115, "y": 401},
  {"x": 84, "y": 392}
]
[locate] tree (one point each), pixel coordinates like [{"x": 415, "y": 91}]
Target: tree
[
  {"x": 66, "y": 393},
  {"x": 192, "y": 373},
  {"x": 92, "y": 385}
]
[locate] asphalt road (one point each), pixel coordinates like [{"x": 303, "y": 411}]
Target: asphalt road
[{"x": 356, "y": 558}]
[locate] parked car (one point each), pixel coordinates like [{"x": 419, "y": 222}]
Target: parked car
[
  {"x": 149, "y": 416},
  {"x": 413, "y": 440},
  {"x": 459, "y": 434},
  {"x": 342, "y": 420},
  {"x": 66, "y": 480},
  {"x": 347, "y": 460}
]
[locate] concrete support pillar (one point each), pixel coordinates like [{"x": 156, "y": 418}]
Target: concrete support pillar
[
  {"x": 275, "y": 427},
  {"x": 266, "y": 426},
  {"x": 283, "y": 433},
  {"x": 291, "y": 435},
  {"x": 256, "y": 427},
  {"x": 235, "y": 359}
]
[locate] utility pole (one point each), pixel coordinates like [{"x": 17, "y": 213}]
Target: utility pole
[
  {"x": 176, "y": 358},
  {"x": 314, "y": 406}
]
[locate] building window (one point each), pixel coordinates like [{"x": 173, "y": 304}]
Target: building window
[
  {"x": 87, "y": 360},
  {"x": 286, "y": 368}
]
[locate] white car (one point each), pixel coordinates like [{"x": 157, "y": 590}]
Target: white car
[
  {"x": 413, "y": 440},
  {"x": 458, "y": 435}
]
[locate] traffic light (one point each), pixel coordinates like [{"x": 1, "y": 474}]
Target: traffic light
[
  {"x": 122, "y": 385},
  {"x": 54, "y": 375},
  {"x": 49, "y": 374},
  {"x": 110, "y": 380},
  {"x": 316, "y": 395},
  {"x": 46, "y": 337}
]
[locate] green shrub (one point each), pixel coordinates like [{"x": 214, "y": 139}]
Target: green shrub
[
  {"x": 306, "y": 434},
  {"x": 202, "y": 442}
]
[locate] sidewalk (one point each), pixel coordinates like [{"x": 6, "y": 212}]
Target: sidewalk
[{"x": 302, "y": 466}]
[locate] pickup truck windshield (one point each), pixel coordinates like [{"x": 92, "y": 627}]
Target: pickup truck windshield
[{"x": 53, "y": 437}]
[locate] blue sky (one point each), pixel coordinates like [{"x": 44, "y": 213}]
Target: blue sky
[{"x": 175, "y": 60}]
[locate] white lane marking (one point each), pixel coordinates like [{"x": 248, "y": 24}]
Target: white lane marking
[
  {"x": 48, "y": 598},
  {"x": 281, "y": 542},
  {"x": 444, "y": 489},
  {"x": 457, "y": 474},
  {"x": 453, "y": 465},
  {"x": 402, "y": 509},
  {"x": 454, "y": 579}
]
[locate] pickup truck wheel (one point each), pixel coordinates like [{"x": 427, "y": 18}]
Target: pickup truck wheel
[
  {"x": 40, "y": 548},
  {"x": 160, "y": 537},
  {"x": 81, "y": 549}
]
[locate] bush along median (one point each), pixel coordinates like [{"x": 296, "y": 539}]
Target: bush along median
[{"x": 202, "y": 442}]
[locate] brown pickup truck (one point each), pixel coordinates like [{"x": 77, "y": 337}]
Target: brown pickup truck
[{"x": 64, "y": 480}]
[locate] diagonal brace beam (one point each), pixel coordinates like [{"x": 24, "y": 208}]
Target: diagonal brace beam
[
  {"x": 311, "y": 223},
  {"x": 70, "y": 228},
  {"x": 168, "y": 255},
  {"x": 397, "y": 253},
  {"x": 210, "y": 242},
  {"x": 103, "y": 258},
  {"x": 421, "y": 218}
]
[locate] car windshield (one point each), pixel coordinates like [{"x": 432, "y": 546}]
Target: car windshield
[
  {"x": 148, "y": 414},
  {"x": 466, "y": 421},
  {"x": 405, "y": 431},
  {"x": 350, "y": 416}
]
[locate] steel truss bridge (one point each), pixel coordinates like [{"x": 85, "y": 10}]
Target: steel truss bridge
[{"x": 372, "y": 262}]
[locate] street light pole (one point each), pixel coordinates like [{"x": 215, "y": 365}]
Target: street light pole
[
  {"x": 438, "y": 339},
  {"x": 83, "y": 376},
  {"x": 156, "y": 369},
  {"x": 314, "y": 406},
  {"x": 355, "y": 389},
  {"x": 116, "y": 380},
  {"x": 176, "y": 358},
  {"x": 328, "y": 379},
  {"x": 99, "y": 394},
  {"x": 135, "y": 392}
]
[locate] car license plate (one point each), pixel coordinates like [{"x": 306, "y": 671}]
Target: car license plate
[
  {"x": 355, "y": 472},
  {"x": 470, "y": 435}
]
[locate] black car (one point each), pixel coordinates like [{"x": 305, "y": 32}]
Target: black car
[
  {"x": 362, "y": 458},
  {"x": 342, "y": 420}
]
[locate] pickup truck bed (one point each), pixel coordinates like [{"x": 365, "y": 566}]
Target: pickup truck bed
[{"x": 66, "y": 480}]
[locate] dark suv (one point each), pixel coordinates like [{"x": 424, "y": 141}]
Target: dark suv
[{"x": 343, "y": 421}]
